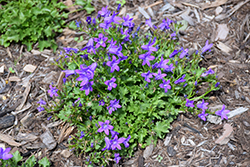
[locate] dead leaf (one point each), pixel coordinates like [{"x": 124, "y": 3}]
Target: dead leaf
[
  {"x": 213, "y": 4},
  {"x": 222, "y": 32},
  {"x": 8, "y": 139},
  {"x": 29, "y": 68},
  {"x": 224, "y": 139},
  {"x": 223, "y": 47}
]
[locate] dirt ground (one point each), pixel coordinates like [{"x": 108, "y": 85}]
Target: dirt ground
[{"x": 191, "y": 142}]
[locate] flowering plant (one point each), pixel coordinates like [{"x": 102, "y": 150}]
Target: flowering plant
[{"x": 125, "y": 87}]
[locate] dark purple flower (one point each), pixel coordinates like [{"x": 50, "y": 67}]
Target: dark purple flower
[
  {"x": 4, "y": 154},
  {"x": 159, "y": 75},
  {"x": 41, "y": 102},
  {"x": 91, "y": 145},
  {"x": 49, "y": 118},
  {"x": 68, "y": 50},
  {"x": 149, "y": 23},
  {"x": 100, "y": 41},
  {"x": 173, "y": 35},
  {"x": 146, "y": 57},
  {"x": 114, "y": 64},
  {"x": 85, "y": 56},
  {"x": 195, "y": 83},
  {"x": 202, "y": 105},
  {"x": 147, "y": 76},
  {"x": 105, "y": 127},
  {"x": 78, "y": 23},
  {"x": 88, "y": 20},
  {"x": 118, "y": 7},
  {"x": 155, "y": 65},
  {"x": 64, "y": 80},
  {"x": 52, "y": 91},
  {"x": 217, "y": 84},
  {"x": 210, "y": 71},
  {"x": 189, "y": 103},
  {"x": 165, "y": 24},
  {"x": 203, "y": 115},
  {"x": 169, "y": 68},
  {"x": 184, "y": 53},
  {"x": 113, "y": 133},
  {"x": 105, "y": 25},
  {"x": 163, "y": 63},
  {"x": 114, "y": 104},
  {"x": 104, "y": 11},
  {"x": 69, "y": 72},
  {"x": 108, "y": 144},
  {"x": 173, "y": 53},
  {"x": 117, "y": 157},
  {"x": 116, "y": 143},
  {"x": 111, "y": 83},
  {"x": 82, "y": 134},
  {"x": 165, "y": 85},
  {"x": 206, "y": 47},
  {"x": 184, "y": 85},
  {"x": 90, "y": 118},
  {"x": 149, "y": 46},
  {"x": 126, "y": 141},
  {"x": 87, "y": 87},
  {"x": 222, "y": 113},
  {"x": 180, "y": 80},
  {"x": 40, "y": 108},
  {"x": 101, "y": 103},
  {"x": 90, "y": 46},
  {"x": 128, "y": 21}
]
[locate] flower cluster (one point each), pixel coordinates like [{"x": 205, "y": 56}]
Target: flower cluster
[
  {"x": 4, "y": 154},
  {"x": 42, "y": 103}
]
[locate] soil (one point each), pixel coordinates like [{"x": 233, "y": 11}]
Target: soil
[{"x": 191, "y": 142}]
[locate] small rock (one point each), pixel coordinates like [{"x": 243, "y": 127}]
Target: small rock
[
  {"x": 148, "y": 151},
  {"x": 66, "y": 153},
  {"x": 213, "y": 119},
  {"x": 218, "y": 10},
  {"x": 29, "y": 68},
  {"x": 171, "y": 151},
  {"x": 48, "y": 139},
  {"x": 7, "y": 121}
]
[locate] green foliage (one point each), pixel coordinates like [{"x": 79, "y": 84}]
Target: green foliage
[
  {"x": 122, "y": 2},
  {"x": 146, "y": 109},
  {"x": 31, "y": 21},
  {"x": 86, "y": 4},
  {"x": 30, "y": 162}
]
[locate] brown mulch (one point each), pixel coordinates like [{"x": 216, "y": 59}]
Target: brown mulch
[{"x": 191, "y": 142}]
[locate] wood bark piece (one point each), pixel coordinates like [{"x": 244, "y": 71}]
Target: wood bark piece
[
  {"x": 224, "y": 48},
  {"x": 224, "y": 139},
  {"x": 25, "y": 95},
  {"x": 8, "y": 139},
  {"x": 237, "y": 111},
  {"x": 48, "y": 139},
  {"x": 7, "y": 121},
  {"x": 29, "y": 68},
  {"x": 143, "y": 12},
  {"x": 213, "y": 4}
]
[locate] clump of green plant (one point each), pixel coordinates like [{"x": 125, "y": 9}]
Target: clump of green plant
[
  {"x": 13, "y": 160},
  {"x": 124, "y": 88},
  {"x": 31, "y": 21}
]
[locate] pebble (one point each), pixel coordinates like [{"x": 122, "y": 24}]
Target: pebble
[
  {"x": 243, "y": 98},
  {"x": 171, "y": 151}
]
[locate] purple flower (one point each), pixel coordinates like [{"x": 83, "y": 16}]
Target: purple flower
[
  {"x": 222, "y": 113},
  {"x": 118, "y": 7},
  {"x": 116, "y": 143},
  {"x": 111, "y": 83},
  {"x": 4, "y": 154},
  {"x": 49, "y": 118},
  {"x": 128, "y": 21},
  {"x": 105, "y": 127},
  {"x": 147, "y": 76},
  {"x": 169, "y": 68},
  {"x": 165, "y": 24},
  {"x": 217, "y": 84},
  {"x": 114, "y": 64},
  {"x": 69, "y": 72},
  {"x": 78, "y": 23},
  {"x": 163, "y": 63},
  {"x": 82, "y": 134},
  {"x": 88, "y": 20},
  {"x": 149, "y": 23},
  {"x": 206, "y": 47},
  {"x": 101, "y": 103},
  {"x": 173, "y": 53},
  {"x": 90, "y": 46},
  {"x": 114, "y": 104},
  {"x": 87, "y": 87},
  {"x": 68, "y": 50},
  {"x": 105, "y": 25},
  {"x": 41, "y": 102},
  {"x": 86, "y": 73},
  {"x": 85, "y": 56},
  {"x": 104, "y": 11},
  {"x": 189, "y": 103},
  {"x": 117, "y": 157},
  {"x": 52, "y": 91},
  {"x": 155, "y": 65},
  {"x": 210, "y": 71},
  {"x": 202, "y": 105},
  {"x": 113, "y": 19},
  {"x": 126, "y": 141},
  {"x": 184, "y": 53},
  {"x": 100, "y": 41},
  {"x": 115, "y": 50},
  {"x": 90, "y": 118},
  {"x": 180, "y": 80},
  {"x": 195, "y": 83},
  {"x": 184, "y": 85},
  {"x": 173, "y": 35},
  {"x": 108, "y": 144},
  {"x": 146, "y": 57},
  {"x": 91, "y": 145},
  {"x": 149, "y": 46},
  {"x": 40, "y": 108},
  {"x": 113, "y": 133},
  {"x": 165, "y": 85},
  {"x": 203, "y": 115},
  {"x": 159, "y": 75}
]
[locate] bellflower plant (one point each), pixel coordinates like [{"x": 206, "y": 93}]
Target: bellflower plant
[{"x": 124, "y": 102}]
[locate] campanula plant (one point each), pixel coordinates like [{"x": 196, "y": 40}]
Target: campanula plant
[{"x": 124, "y": 88}]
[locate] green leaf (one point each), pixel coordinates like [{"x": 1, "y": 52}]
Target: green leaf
[
  {"x": 31, "y": 161},
  {"x": 80, "y": 2},
  {"x": 89, "y": 8},
  {"x": 161, "y": 127},
  {"x": 17, "y": 157},
  {"x": 72, "y": 25},
  {"x": 43, "y": 44},
  {"x": 11, "y": 70},
  {"x": 44, "y": 162},
  {"x": 48, "y": 31}
]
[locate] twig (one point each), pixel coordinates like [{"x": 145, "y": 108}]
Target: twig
[
  {"x": 9, "y": 53},
  {"x": 154, "y": 4},
  {"x": 188, "y": 4}
]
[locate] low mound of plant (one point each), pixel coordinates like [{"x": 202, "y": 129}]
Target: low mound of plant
[{"x": 125, "y": 87}]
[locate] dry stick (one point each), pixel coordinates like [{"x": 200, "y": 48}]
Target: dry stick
[
  {"x": 188, "y": 4},
  {"x": 248, "y": 35},
  {"x": 154, "y": 4}
]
